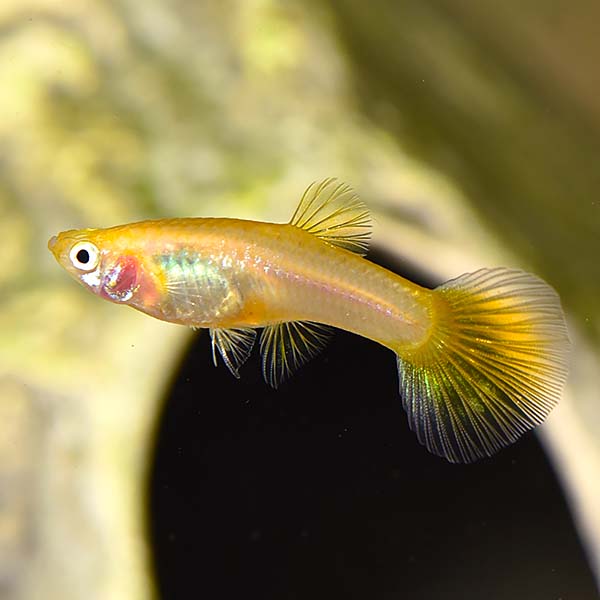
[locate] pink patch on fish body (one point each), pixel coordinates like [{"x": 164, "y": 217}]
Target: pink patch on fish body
[{"x": 121, "y": 281}]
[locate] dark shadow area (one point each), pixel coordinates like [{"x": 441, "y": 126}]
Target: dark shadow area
[{"x": 319, "y": 490}]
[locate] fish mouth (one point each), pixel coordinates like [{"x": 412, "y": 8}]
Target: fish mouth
[{"x": 52, "y": 242}]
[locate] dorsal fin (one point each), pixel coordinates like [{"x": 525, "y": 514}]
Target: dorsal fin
[{"x": 332, "y": 211}]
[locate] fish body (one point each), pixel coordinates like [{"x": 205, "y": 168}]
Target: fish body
[
  {"x": 230, "y": 273},
  {"x": 481, "y": 359}
]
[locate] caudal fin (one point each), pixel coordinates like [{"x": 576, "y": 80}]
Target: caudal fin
[{"x": 492, "y": 368}]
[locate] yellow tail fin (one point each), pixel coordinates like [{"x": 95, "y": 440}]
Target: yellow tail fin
[{"x": 492, "y": 368}]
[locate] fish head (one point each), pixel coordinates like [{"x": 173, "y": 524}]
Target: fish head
[{"x": 100, "y": 261}]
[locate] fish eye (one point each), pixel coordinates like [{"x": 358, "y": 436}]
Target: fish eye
[{"x": 84, "y": 256}]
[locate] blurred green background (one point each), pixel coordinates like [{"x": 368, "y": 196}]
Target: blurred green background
[{"x": 471, "y": 128}]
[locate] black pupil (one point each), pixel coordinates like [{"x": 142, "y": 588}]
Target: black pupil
[{"x": 83, "y": 256}]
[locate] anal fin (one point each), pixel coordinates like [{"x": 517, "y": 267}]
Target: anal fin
[{"x": 287, "y": 346}]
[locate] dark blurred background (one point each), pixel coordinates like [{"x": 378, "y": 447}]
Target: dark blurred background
[{"x": 320, "y": 490}]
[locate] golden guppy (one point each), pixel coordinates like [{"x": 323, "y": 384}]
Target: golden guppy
[{"x": 481, "y": 358}]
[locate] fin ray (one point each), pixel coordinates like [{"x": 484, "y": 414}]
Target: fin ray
[
  {"x": 234, "y": 346},
  {"x": 287, "y": 346},
  {"x": 332, "y": 211}
]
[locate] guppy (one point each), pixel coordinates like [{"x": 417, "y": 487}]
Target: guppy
[{"x": 481, "y": 359}]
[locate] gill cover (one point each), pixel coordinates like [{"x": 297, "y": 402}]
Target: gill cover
[{"x": 121, "y": 280}]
